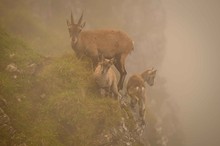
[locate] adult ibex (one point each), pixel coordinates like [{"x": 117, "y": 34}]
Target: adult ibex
[
  {"x": 105, "y": 77},
  {"x": 111, "y": 43},
  {"x": 136, "y": 89}
]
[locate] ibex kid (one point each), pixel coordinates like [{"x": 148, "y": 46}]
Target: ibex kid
[
  {"x": 136, "y": 89},
  {"x": 105, "y": 77}
]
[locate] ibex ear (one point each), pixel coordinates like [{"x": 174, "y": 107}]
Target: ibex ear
[
  {"x": 112, "y": 60},
  {"x": 149, "y": 71}
]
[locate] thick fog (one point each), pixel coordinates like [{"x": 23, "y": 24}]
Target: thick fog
[
  {"x": 191, "y": 67},
  {"x": 180, "y": 39}
]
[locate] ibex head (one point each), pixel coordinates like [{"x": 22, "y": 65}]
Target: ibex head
[
  {"x": 75, "y": 28},
  {"x": 105, "y": 64},
  {"x": 149, "y": 76}
]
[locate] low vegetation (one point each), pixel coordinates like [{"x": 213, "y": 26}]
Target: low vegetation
[{"x": 53, "y": 101}]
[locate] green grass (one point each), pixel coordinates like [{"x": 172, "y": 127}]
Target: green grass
[{"x": 57, "y": 105}]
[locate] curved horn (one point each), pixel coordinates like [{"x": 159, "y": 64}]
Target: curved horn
[
  {"x": 80, "y": 19},
  {"x": 72, "y": 20}
]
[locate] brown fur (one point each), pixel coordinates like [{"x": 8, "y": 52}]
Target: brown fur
[
  {"x": 111, "y": 43},
  {"x": 136, "y": 88},
  {"x": 105, "y": 78}
]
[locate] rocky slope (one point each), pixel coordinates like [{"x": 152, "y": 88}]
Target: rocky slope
[{"x": 54, "y": 101}]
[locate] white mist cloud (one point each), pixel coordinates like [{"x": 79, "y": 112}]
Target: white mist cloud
[{"x": 191, "y": 67}]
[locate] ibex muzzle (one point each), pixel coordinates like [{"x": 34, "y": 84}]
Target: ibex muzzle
[{"x": 111, "y": 43}]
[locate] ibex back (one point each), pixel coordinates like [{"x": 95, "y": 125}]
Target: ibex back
[
  {"x": 111, "y": 43},
  {"x": 136, "y": 89}
]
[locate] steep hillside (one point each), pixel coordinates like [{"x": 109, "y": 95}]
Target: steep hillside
[
  {"x": 31, "y": 21},
  {"x": 53, "y": 101}
]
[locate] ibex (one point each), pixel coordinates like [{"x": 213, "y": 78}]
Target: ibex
[
  {"x": 136, "y": 89},
  {"x": 111, "y": 43},
  {"x": 105, "y": 77}
]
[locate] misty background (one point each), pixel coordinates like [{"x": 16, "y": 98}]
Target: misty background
[
  {"x": 178, "y": 38},
  {"x": 191, "y": 67}
]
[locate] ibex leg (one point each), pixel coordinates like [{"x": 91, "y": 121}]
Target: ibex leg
[
  {"x": 120, "y": 65},
  {"x": 133, "y": 102},
  {"x": 141, "y": 103},
  {"x": 95, "y": 61}
]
